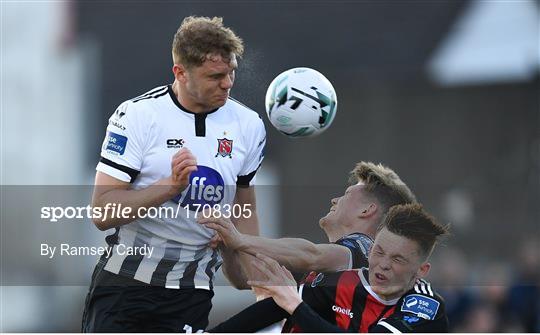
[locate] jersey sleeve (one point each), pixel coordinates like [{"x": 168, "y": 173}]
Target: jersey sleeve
[
  {"x": 359, "y": 245},
  {"x": 123, "y": 147},
  {"x": 418, "y": 311},
  {"x": 256, "y": 142},
  {"x": 310, "y": 322}
]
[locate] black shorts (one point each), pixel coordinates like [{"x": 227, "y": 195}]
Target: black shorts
[{"x": 116, "y": 304}]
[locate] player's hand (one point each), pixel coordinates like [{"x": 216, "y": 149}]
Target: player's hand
[
  {"x": 215, "y": 241},
  {"x": 280, "y": 283},
  {"x": 183, "y": 163},
  {"x": 225, "y": 229}
]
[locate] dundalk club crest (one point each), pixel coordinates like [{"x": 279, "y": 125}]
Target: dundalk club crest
[{"x": 224, "y": 147}]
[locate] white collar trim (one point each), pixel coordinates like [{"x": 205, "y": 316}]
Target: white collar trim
[{"x": 370, "y": 291}]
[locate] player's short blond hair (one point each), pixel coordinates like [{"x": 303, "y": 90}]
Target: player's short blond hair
[
  {"x": 198, "y": 36},
  {"x": 383, "y": 184}
]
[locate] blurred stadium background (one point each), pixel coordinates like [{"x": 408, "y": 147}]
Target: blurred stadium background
[{"x": 447, "y": 93}]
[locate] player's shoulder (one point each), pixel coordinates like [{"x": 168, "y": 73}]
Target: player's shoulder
[
  {"x": 150, "y": 96},
  {"x": 422, "y": 301},
  {"x": 140, "y": 104},
  {"x": 358, "y": 241}
]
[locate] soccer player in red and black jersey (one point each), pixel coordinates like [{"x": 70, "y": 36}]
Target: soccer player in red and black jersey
[
  {"x": 389, "y": 297},
  {"x": 350, "y": 225}
]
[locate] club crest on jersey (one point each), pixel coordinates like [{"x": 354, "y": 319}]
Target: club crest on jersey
[
  {"x": 225, "y": 147},
  {"x": 317, "y": 280}
]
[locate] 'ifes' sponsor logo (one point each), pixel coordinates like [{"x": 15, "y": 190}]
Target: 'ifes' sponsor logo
[{"x": 206, "y": 186}]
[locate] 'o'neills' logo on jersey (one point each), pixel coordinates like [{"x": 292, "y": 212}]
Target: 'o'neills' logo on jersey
[
  {"x": 342, "y": 310},
  {"x": 206, "y": 186},
  {"x": 225, "y": 147}
]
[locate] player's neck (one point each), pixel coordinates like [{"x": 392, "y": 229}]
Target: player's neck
[
  {"x": 335, "y": 233},
  {"x": 367, "y": 227},
  {"x": 185, "y": 101}
]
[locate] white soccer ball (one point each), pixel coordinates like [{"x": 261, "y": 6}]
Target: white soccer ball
[{"x": 301, "y": 102}]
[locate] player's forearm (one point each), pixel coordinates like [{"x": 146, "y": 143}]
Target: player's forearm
[
  {"x": 138, "y": 201},
  {"x": 296, "y": 254},
  {"x": 232, "y": 269},
  {"x": 248, "y": 226}
]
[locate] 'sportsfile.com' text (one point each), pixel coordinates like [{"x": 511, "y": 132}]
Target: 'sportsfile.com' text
[{"x": 118, "y": 211}]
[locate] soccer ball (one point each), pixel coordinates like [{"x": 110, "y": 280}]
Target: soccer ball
[{"x": 301, "y": 102}]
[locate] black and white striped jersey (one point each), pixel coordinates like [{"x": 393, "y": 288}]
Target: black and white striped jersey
[{"x": 142, "y": 136}]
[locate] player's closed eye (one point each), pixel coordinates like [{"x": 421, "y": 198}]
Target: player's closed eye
[{"x": 399, "y": 260}]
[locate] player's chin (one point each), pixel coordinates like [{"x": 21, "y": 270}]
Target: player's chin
[
  {"x": 382, "y": 289},
  {"x": 220, "y": 100},
  {"x": 323, "y": 222}
]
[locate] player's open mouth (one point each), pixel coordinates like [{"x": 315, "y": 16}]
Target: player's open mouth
[{"x": 380, "y": 277}]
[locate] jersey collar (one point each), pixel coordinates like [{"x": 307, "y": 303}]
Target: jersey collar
[
  {"x": 361, "y": 274},
  {"x": 182, "y": 108}
]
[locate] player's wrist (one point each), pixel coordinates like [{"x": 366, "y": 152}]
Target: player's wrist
[
  {"x": 292, "y": 303},
  {"x": 169, "y": 188},
  {"x": 244, "y": 243}
]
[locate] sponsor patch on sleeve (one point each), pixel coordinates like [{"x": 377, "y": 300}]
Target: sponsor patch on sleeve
[
  {"x": 357, "y": 241},
  {"x": 421, "y": 306},
  {"x": 410, "y": 319},
  {"x": 116, "y": 143}
]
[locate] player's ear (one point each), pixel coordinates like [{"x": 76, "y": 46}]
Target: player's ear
[
  {"x": 423, "y": 270},
  {"x": 180, "y": 72},
  {"x": 369, "y": 210}
]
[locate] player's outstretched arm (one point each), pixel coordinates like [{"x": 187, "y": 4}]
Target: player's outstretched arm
[
  {"x": 109, "y": 190},
  {"x": 236, "y": 265},
  {"x": 233, "y": 269},
  {"x": 297, "y": 254}
]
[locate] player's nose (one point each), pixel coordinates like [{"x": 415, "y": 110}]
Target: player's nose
[
  {"x": 384, "y": 264},
  {"x": 334, "y": 201},
  {"x": 227, "y": 83}
]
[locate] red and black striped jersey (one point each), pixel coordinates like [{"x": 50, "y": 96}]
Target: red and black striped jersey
[
  {"x": 343, "y": 302},
  {"x": 346, "y": 301},
  {"x": 343, "y": 299}
]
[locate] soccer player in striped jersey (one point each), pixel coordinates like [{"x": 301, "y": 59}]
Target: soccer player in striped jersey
[
  {"x": 178, "y": 146},
  {"x": 390, "y": 296}
]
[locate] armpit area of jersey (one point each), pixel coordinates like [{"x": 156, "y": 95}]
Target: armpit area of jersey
[
  {"x": 256, "y": 317},
  {"x": 243, "y": 181},
  {"x": 407, "y": 323}
]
